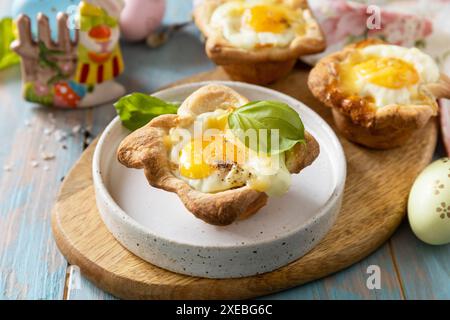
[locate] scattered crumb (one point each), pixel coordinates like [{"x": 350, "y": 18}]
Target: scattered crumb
[
  {"x": 88, "y": 140},
  {"x": 27, "y": 123},
  {"x": 87, "y": 137},
  {"x": 64, "y": 147},
  {"x": 49, "y": 131},
  {"x": 76, "y": 129},
  {"x": 7, "y": 167},
  {"x": 60, "y": 135},
  {"x": 46, "y": 168},
  {"x": 51, "y": 117},
  {"x": 47, "y": 156},
  {"x": 34, "y": 163}
]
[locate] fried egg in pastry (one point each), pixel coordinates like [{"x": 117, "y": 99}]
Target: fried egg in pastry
[
  {"x": 258, "y": 41},
  {"x": 380, "y": 94},
  {"x": 217, "y": 187},
  {"x": 223, "y": 162}
]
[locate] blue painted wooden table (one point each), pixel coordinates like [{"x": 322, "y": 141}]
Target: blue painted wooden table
[{"x": 31, "y": 267}]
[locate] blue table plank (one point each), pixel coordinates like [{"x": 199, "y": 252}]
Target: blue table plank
[
  {"x": 424, "y": 269},
  {"x": 79, "y": 288},
  {"x": 351, "y": 282}
]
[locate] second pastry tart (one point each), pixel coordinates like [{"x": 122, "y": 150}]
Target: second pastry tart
[{"x": 258, "y": 41}]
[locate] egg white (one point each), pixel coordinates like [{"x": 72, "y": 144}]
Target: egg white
[
  {"x": 242, "y": 36},
  {"x": 272, "y": 174},
  {"x": 425, "y": 66}
]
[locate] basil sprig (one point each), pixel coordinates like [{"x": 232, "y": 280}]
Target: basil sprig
[
  {"x": 268, "y": 115},
  {"x": 137, "y": 109}
]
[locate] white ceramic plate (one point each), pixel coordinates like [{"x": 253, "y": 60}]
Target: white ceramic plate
[{"x": 154, "y": 224}]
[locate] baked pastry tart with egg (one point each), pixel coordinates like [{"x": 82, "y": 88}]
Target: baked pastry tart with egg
[
  {"x": 258, "y": 41},
  {"x": 219, "y": 178},
  {"x": 380, "y": 94}
]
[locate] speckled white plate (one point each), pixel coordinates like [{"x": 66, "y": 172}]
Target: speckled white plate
[{"x": 154, "y": 224}]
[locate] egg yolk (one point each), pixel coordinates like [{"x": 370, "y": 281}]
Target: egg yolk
[
  {"x": 198, "y": 157},
  {"x": 219, "y": 122},
  {"x": 192, "y": 163},
  {"x": 264, "y": 18},
  {"x": 391, "y": 73}
]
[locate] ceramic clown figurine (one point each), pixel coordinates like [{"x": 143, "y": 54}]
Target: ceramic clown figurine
[{"x": 73, "y": 73}]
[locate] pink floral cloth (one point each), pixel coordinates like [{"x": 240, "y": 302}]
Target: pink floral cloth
[{"x": 421, "y": 23}]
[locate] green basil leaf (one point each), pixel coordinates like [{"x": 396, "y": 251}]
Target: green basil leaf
[
  {"x": 268, "y": 115},
  {"x": 137, "y": 109}
]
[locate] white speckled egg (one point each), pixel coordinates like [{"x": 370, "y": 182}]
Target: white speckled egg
[{"x": 429, "y": 203}]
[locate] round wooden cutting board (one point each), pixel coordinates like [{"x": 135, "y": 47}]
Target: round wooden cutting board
[{"x": 378, "y": 183}]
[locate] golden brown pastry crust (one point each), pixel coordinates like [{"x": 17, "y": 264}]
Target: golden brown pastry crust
[
  {"x": 222, "y": 52},
  {"x": 145, "y": 149},
  {"x": 355, "y": 117},
  {"x": 259, "y": 73}
]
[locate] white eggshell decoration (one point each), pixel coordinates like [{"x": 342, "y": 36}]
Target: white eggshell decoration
[{"x": 429, "y": 203}]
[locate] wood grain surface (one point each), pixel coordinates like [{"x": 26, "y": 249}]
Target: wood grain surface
[{"x": 378, "y": 183}]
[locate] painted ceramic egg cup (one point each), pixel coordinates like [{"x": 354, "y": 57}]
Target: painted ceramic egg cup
[{"x": 71, "y": 71}]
